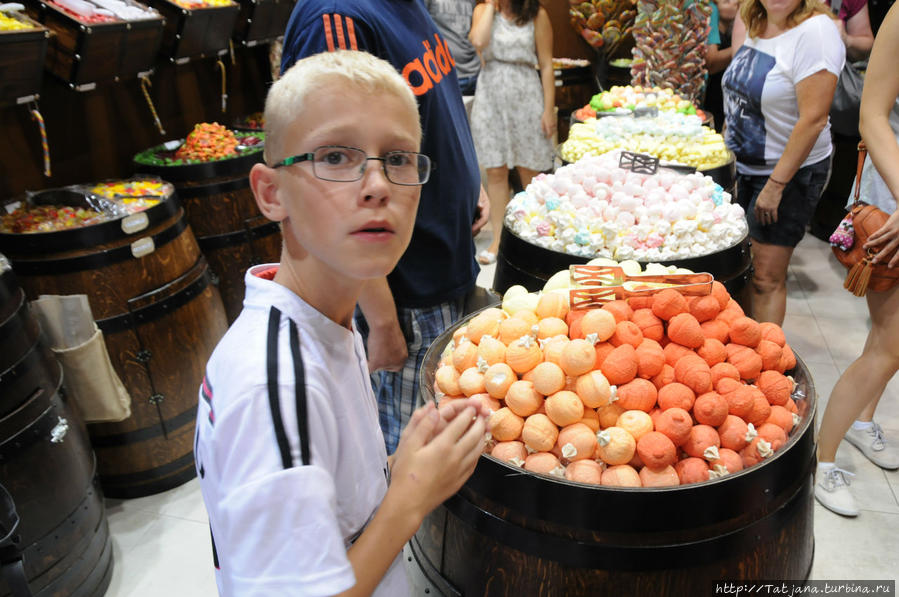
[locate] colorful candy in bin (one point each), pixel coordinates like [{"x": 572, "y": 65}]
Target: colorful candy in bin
[
  {"x": 8, "y": 22},
  {"x": 205, "y": 143},
  {"x": 614, "y": 421}
]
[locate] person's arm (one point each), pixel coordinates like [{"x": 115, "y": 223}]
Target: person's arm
[
  {"x": 814, "y": 95},
  {"x": 878, "y": 98},
  {"x": 483, "y": 208},
  {"x": 543, "y": 35},
  {"x": 738, "y": 35},
  {"x": 386, "y": 344},
  {"x": 716, "y": 60},
  {"x": 481, "y": 24},
  {"x": 432, "y": 461},
  {"x": 857, "y": 35}
]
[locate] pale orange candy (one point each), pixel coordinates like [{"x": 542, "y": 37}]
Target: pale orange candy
[
  {"x": 539, "y": 433},
  {"x": 509, "y": 451},
  {"x": 512, "y": 329},
  {"x": 584, "y": 471},
  {"x": 665, "y": 477},
  {"x": 459, "y": 333},
  {"x": 504, "y": 425},
  {"x": 485, "y": 323},
  {"x": 608, "y": 414},
  {"x": 465, "y": 355},
  {"x": 616, "y": 445},
  {"x": 498, "y": 378},
  {"x": 552, "y": 304},
  {"x": 471, "y": 381},
  {"x": 578, "y": 357},
  {"x": 577, "y": 442},
  {"x": 551, "y": 326},
  {"x": 529, "y": 316},
  {"x": 548, "y": 378},
  {"x": 491, "y": 350},
  {"x": 523, "y": 356},
  {"x": 564, "y": 408},
  {"x": 692, "y": 470},
  {"x": 599, "y": 322},
  {"x": 621, "y": 475},
  {"x": 593, "y": 389},
  {"x": 541, "y": 462},
  {"x": 552, "y": 348},
  {"x": 447, "y": 379},
  {"x": 591, "y": 419},
  {"x": 523, "y": 399},
  {"x": 636, "y": 422}
]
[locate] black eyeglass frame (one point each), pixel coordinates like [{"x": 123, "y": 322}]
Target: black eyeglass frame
[{"x": 310, "y": 156}]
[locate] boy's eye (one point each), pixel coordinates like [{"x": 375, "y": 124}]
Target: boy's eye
[
  {"x": 333, "y": 157},
  {"x": 398, "y": 159}
]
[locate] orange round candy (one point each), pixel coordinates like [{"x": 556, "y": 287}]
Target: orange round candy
[
  {"x": 548, "y": 378},
  {"x": 541, "y": 462},
  {"x": 564, "y": 408},
  {"x": 497, "y": 379},
  {"x": 485, "y": 323},
  {"x": 694, "y": 373},
  {"x": 636, "y": 422},
  {"x": 746, "y": 360},
  {"x": 471, "y": 381},
  {"x": 513, "y": 452},
  {"x": 756, "y": 451},
  {"x": 626, "y": 332},
  {"x": 789, "y": 359},
  {"x": 650, "y": 358},
  {"x": 608, "y": 414},
  {"x": 650, "y": 325},
  {"x": 722, "y": 370},
  {"x": 616, "y": 445},
  {"x": 781, "y": 417},
  {"x": 692, "y": 470},
  {"x": 656, "y": 450},
  {"x": 551, "y": 326},
  {"x": 668, "y": 303},
  {"x": 523, "y": 355},
  {"x": 773, "y": 333},
  {"x": 511, "y": 329},
  {"x": 552, "y": 304},
  {"x": 740, "y": 400},
  {"x": 621, "y": 475},
  {"x": 637, "y": 394},
  {"x": 600, "y": 322},
  {"x": 732, "y": 433},
  {"x": 726, "y": 385},
  {"x": 621, "y": 365},
  {"x": 577, "y": 442},
  {"x": 523, "y": 399},
  {"x": 619, "y": 309},
  {"x": 584, "y": 471},
  {"x": 674, "y": 423},
  {"x": 578, "y": 357},
  {"x": 593, "y": 389},
  {"x": 465, "y": 355},
  {"x": 776, "y": 387},
  {"x": 675, "y": 352},
  {"x": 491, "y": 350},
  {"x": 591, "y": 419},
  {"x": 717, "y": 329},
  {"x": 773, "y": 434},
  {"x": 539, "y": 433},
  {"x": 665, "y": 377},
  {"x": 728, "y": 461},
  {"x": 603, "y": 349},
  {"x": 703, "y": 308},
  {"x": 745, "y": 331},
  {"x": 721, "y": 294},
  {"x": 771, "y": 354},
  {"x": 552, "y": 348},
  {"x": 685, "y": 330},
  {"x": 447, "y": 378},
  {"x": 676, "y": 395},
  {"x": 701, "y": 438},
  {"x": 761, "y": 410},
  {"x": 665, "y": 477},
  {"x": 710, "y": 409},
  {"x": 712, "y": 351},
  {"x": 504, "y": 425}
]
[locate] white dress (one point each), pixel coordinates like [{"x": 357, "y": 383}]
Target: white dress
[{"x": 508, "y": 101}]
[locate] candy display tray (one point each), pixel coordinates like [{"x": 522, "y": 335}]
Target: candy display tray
[
  {"x": 261, "y": 21},
  {"x": 22, "y": 56},
  {"x": 84, "y": 54},
  {"x": 195, "y": 33}
]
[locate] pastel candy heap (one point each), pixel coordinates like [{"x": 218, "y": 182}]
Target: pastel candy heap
[
  {"x": 593, "y": 208},
  {"x": 670, "y": 136}
]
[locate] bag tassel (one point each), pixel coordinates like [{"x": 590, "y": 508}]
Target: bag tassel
[{"x": 858, "y": 277}]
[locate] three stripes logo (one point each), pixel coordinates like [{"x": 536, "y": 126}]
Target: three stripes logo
[{"x": 421, "y": 74}]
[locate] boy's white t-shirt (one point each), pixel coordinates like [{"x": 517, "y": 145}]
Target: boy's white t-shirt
[
  {"x": 759, "y": 88},
  {"x": 284, "y": 531}
]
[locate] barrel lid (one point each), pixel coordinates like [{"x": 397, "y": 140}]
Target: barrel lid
[
  {"x": 160, "y": 160},
  {"x": 120, "y": 205}
]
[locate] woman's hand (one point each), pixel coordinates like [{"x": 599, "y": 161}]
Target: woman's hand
[
  {"x": 548, "y": 123},
  {"x": 886, "y": 240},
  {"x": 767, "y": 202}
]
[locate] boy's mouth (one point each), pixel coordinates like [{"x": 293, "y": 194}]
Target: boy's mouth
[{"x": 376, "y": 227}]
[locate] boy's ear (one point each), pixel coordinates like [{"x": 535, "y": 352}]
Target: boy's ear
[{"x": 264, "y": 182}]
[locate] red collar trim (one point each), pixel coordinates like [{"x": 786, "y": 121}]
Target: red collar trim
[{"x": 267, "y": 274}]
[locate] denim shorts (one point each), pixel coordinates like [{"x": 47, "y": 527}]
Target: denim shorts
[{"x": 797, "y": 205}]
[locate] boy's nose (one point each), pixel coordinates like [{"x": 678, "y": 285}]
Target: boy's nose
[{"x": 375, "y": 186}]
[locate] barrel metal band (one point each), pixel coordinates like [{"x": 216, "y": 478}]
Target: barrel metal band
[
  {"x": 145, "y": 433},
  {"x": 218, "y": 241},
  {"x": 94, "y": 260},
  {"x": 154, "y": 474},
  {"x": 36, "y": 431},
  {"x": 215, "y": 188},
  {"x": 152, "y": 312}
]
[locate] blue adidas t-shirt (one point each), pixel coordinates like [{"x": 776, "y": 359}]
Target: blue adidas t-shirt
[{"x": 439, "y": 264}]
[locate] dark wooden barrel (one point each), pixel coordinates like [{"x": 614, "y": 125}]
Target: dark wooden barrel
[
  {"x": 47, "y": 466},
  {"x": 524, "y": 263},
  {"x": 220, "y": 207},
  {"x": 150, "y": 293},
  {"x": 509, "y": 532}
]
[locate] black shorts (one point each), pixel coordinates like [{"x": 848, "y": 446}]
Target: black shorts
[{"x": 797, "y": 205}]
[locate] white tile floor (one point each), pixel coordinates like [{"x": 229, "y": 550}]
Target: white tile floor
[{"x": 161, "y": 542}]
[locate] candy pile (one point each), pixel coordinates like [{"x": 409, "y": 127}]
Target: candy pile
[
  {"x": 193, "y": 4},
  {"x": 563, "y": 63},
  {"x": 603, "y": 23},
  {"x": 11, "y": 23},
  {"x": 254, "y": 121},
  {"x": 669, "y": 136},
  {"x": 207, "y": 142},
  {"x": 653, "y": 391},
  {"x": 47, "y": 218},
  {"x": 623, "y": 100},
  {"x": 670, "y": 38},
  {"x": 134, "y": 194},
  {"x": 593, "y": 208},
  {"x": 85, "y": 12}
]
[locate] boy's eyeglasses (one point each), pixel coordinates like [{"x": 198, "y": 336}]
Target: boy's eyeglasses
[{"x": 337, "y": 163}]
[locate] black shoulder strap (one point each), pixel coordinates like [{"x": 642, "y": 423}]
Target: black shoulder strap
[{"x": 274, "y": 399}]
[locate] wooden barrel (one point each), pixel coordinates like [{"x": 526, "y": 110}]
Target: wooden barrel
[
  {"x": 222, "y": 212},
  {"x": 524, "y": 263},
  {"x": 510, "y": 532},
  {"x": 150, "y": 293},
  {"x": 47, "y": 466}
]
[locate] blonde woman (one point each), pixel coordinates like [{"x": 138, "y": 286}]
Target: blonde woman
[
  {"x": 777, "y": 94},
  {"x": 850, "y": 410}
]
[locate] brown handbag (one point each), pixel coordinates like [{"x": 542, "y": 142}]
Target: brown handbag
[{"x": 849, "y": 238}]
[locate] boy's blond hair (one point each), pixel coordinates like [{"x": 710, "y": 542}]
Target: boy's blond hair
[{"x": 358, "y": 71}]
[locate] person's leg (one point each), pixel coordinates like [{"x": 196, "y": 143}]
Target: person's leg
[
  {"x": 498, "y": 191},
  {"x": 526, "y": 175},
  {"x": 768, "y": 292}
]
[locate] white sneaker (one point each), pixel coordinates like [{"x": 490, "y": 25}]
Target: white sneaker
[
  {"x": 833, "y": 492},
  {"x": 874, "y": 446}
]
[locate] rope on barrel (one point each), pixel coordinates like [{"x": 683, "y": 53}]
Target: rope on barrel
[
  {"x": 145, "y": 85},
  {"x": 231, "y": 51},
  {"x": 221, "y": 65},
  {"x": 45, "y": 145}
]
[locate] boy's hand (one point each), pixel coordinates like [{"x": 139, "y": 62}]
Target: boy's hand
[
  {"x": 483, "y": 212},
  {"x": 436, "y": 456}
]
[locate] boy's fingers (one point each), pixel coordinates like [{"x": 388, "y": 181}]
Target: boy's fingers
[
  {"x": 456, "y": 428},
  {"x": 420, "y": 430}
]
